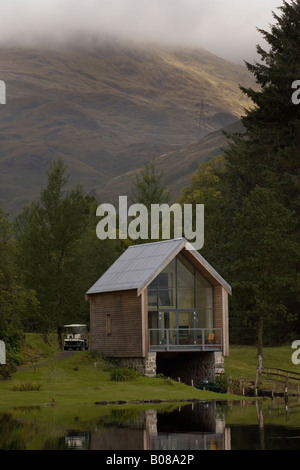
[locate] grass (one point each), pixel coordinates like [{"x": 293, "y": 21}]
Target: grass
[
  {"x": 243, "y": 362},
  {"x": 79, "y": 380},
  {"x": 84, "y": 379},
  {"x": 26, "y": 387},
  {"x": 35, "y": 349}
]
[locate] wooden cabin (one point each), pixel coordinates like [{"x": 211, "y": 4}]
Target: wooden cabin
[{"x": 161, "y": 308}]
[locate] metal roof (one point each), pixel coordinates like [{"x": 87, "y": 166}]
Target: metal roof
[{"x": 139, "y": 264}]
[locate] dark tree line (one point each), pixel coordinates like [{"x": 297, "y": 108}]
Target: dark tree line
[
  {"x": 252, "y": 197},
  {"x": 50, "y": 256}
]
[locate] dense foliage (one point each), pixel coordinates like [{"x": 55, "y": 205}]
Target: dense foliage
[
  {"x": 15, "y": 300},
  {"x": 252, "y": 197},
  {"x": 59, "y": 254}
]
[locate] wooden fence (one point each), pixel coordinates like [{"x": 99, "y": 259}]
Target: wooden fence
[{"x": 281, "y": 377}]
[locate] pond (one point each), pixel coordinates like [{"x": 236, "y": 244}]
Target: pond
[{"x": 218, "y": 425}]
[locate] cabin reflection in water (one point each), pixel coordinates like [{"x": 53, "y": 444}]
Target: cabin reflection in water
[{"x": 199, "y": 426}]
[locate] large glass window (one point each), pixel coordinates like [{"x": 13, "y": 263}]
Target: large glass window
[
  {"x": 162, "y": 290},
  {"x": 204, "y": 302},
  {"x": 185, "y": 283},
  {"x": 182, "y": 287}
]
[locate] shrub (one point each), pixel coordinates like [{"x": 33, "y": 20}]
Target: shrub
[
  {"x": 235, "y": 386},
  {"x": 168, "y": 381},
  {"x": 222, "y": 383},
  {"x": 123, "y": 374},
  {"x": 26, "y": 387},
  {"x": 95, "y": 355}
]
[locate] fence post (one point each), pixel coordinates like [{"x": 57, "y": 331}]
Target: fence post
[
  {"x": 286, "y": 388},
  {"x": 256, "y": 382}
]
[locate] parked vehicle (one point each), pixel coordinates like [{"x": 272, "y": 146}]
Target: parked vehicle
[{"x": 75, "y": 337}]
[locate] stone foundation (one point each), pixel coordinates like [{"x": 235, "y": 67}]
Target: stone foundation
[
  {"x": 144, "y": 365},
  {"x": 219, "y": 363},
  {"x": 187, "y": 367},
  {"x": 150, "y": 365},
  {"x": 191, "y": 367}
]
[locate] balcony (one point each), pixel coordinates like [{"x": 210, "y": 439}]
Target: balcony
[{"x": 185, "y": 339}]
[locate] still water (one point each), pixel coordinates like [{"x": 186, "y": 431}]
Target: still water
[{"x": 266, "y": 425}]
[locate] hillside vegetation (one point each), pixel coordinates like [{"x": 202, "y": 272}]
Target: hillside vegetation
[{"x": 106, "y": 110}]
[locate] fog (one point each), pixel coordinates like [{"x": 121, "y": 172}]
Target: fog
[{"x": 224, "y": 27}]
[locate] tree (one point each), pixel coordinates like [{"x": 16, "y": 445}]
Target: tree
[
  {"x": 263, "y": 253},
  {"x": 208, "y": 188},
  {"x": 95, "y": 255},
  {"x": 265, "y": 161},
  {"x": 48, "y": 234},
  {"x": 148, "y": 188},
  {"x": 15, "y": 300},
  {"x": 267, "y": 154},
  {"x": 252, "y": 201}
]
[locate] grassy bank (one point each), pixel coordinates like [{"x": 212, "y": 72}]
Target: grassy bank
[
  {"x": 77, "y": 379},
  {"x": 81, "y": 379},
  {"x": 242, "y": 364},
  {"x": 242, "y": 361}
]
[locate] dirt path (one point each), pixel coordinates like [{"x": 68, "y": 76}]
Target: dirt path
[{"x": 59, "y": 357}]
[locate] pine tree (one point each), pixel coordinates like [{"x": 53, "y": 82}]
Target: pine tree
[
  {"x": 148, "y": 188},
  {"x": 268, "y": 153},
  {"x": 15, "y": 300},
  {"x": 266, "y": 160},
  {"x": 48, "y": 234},
  {"x": 261, "y": 269}
]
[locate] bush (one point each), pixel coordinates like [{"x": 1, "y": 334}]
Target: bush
[
  {"x": 235, "y": 386},
  {"x": 26, "y": 387},
  {"x": 96, "y": 355},
  {"x": 222, "y": 383},
  {"x": 123, "y": 374},
  {"x": 13, "y": 359},
  {"x": 168, "y": 381}
]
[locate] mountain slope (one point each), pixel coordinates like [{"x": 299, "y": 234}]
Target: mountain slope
[
  {"x": 106, "y": 110},
  {"x": 177, "y": 166}
]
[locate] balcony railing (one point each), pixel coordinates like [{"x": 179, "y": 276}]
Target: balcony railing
[{"x": 185, "y": 339}]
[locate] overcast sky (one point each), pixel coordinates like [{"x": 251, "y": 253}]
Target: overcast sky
[{"x": 224, "y": 27}]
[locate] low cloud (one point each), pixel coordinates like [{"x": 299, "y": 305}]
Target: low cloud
[{"x": 226, "y": 28}]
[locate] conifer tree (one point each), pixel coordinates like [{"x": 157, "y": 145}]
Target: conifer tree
[
  {"x": 48, "y": 234},
  {"x": 268, "y": 154},
  {"x": 266, "y": 160},
  {"x": 15, "y": 300},
  {"x": 148, "y": 188}
]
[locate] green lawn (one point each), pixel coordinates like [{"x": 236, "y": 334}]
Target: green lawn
[
  {"x": 79, "y": 380},
  {"x": 242, "y": 361}
]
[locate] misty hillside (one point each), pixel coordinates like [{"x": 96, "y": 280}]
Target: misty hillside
[
  {"x": 106, "y": 111},
  {"x": 177, "y": 166}
]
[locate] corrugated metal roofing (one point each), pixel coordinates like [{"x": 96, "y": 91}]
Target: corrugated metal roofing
[{"x": 140, "y": 263}]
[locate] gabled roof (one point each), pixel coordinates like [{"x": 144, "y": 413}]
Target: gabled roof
[{"x": 140, "y": 264}]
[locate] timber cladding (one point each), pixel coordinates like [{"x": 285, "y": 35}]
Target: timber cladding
[
  {"x": 221, "y": 316},
  {"x": 116, "y": 324}
]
